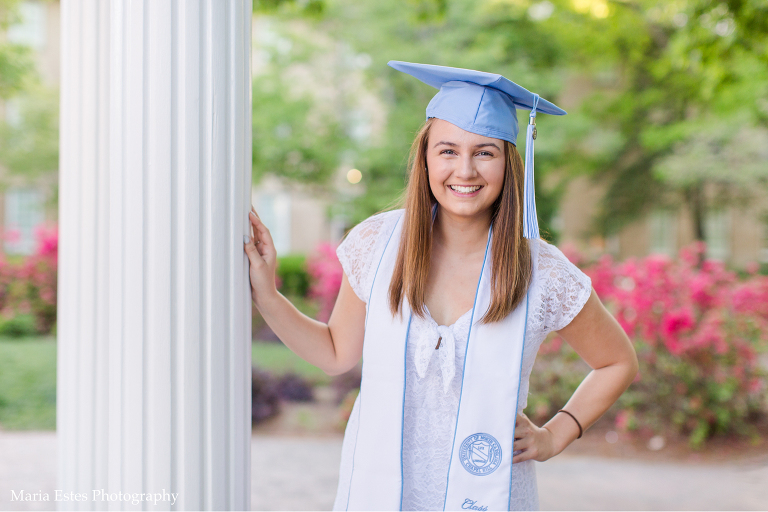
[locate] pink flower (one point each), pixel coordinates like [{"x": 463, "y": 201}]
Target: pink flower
[
  {"x": 47, "y": 240},
  {"x": 675, "y": 325},
  {"x": 755, "y": 385},
  {"x": 551, "y": 345},
  {"x": 325, "y": 270},
  {"x": 622, "y": 420}
]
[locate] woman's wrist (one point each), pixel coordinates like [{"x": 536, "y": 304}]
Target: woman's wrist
[
  {"x": 264, "y": 301},
  {"x": 564, "y": 431}
]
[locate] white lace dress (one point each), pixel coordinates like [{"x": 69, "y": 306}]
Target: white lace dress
[{"x": 559, "y": 290}]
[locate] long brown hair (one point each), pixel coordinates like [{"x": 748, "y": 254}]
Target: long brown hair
[{"x": 511, "y": 268}]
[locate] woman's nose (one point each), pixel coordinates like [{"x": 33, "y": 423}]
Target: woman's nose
[{"x": 465, "y": 169}]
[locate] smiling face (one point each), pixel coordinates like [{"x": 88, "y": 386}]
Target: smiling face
[{"x": 466, "y": 170}]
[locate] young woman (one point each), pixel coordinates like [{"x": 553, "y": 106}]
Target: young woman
[{"x": 447, "y": 300}]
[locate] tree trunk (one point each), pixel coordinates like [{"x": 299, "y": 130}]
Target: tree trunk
[{"x": 696, "y": 201}]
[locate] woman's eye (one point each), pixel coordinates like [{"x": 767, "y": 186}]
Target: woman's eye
[
  {"x": 447, "y": 152},
  {"x": 485, "y": 153}
]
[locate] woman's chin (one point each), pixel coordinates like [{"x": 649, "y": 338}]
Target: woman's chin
[{"x": 464, "y": 208}]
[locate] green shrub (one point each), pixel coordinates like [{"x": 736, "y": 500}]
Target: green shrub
[
  {"x": 697, "y": 395},
  {"x": 292, "y": 271},
  {"x": 19, "y": 326}
]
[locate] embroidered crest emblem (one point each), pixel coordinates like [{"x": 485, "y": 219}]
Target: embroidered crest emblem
[{"x": 480, "y": 454}]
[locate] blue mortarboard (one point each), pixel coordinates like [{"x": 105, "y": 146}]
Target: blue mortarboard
[{"x": 486, "y": 104}]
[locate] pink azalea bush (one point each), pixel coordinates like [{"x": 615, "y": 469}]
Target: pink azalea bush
[
  {"x": 326, "y": 273},
  {"x": 699, "y": 332},
  {"x": 28, "y": 287}
]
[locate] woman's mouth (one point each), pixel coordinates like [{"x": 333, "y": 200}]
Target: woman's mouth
[{"x": 465, "y": 191}]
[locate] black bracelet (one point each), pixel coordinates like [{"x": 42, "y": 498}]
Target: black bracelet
[{"x": 581, "y": 431}]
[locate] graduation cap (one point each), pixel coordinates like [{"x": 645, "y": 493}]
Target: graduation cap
[{"x": 485, "y": 104}]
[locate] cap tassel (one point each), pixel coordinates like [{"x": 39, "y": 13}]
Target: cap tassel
[{"x": 531, "y": 222}]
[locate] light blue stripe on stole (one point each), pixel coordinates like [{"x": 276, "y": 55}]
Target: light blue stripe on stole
[
  {"x": 367, "y": 307},
  {"x": 525, "y": 331},
  {"x": 402, "y": 420},
  {"x": 464, "y": 367}
]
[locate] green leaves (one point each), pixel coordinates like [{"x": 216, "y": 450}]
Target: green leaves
[
  {"x": 16, "y": 62},
  {"x": 310, "y": 8},
  {"x": 289, "y": 141},
  {"x": 15, "y": 66},
  {"x": 660, "y": 94},
  {"x": 31, "y": 146}
]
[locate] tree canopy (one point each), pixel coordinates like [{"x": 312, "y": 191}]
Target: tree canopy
[
  {"x": 665, "y": 98},
  {"x": 29, "y": 145},
  {"x": 15, "y": 59}
]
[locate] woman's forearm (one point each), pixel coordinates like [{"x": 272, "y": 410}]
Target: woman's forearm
[
  {"x": 310, "y": 339},
  {"x": 594, "y": 396}
]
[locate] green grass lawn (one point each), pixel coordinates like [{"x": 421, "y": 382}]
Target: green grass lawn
[
  {"x": 28, "y": 383},
  {"x": 28, "y": 378},
  {"x": 278, "y": 359}
]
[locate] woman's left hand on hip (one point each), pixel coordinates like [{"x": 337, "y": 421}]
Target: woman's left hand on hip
[{"x": 536, "y": 443}]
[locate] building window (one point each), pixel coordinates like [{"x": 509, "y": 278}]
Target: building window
[
  {"x": 30, "y": 30},
  {"x": 274, "y": 210},
  {"x": 716, "y": 231},
  {"x": 23, "y": 213},
  {"x": 663, "y": 232}
]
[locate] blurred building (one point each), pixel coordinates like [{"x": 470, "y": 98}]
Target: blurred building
[
  {"x": 737, "y": 235},
  {"x": 297, "y": 218}
]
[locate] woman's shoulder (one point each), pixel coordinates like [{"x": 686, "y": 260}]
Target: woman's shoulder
[
  {"x": 375, "y": 225},
  {"x": 560, "y": 287},
  {"x": 361, "y": 245},
  {"x": 550, "y": 263},
  {"x": 548, "y": 254}
]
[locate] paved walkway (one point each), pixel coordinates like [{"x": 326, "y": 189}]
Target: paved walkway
[{"x": 300, "y": 474}]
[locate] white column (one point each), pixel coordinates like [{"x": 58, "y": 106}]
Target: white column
[{"x": 154, "y": 303}]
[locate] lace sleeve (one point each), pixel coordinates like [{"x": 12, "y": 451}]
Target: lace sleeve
[
  {"x": 359, "y": 248},
  {"x": 564, "y": 289}
]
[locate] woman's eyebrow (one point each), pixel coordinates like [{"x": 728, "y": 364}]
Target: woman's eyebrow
[
  {"x": 453, "y": 144},
  {"x": 486, "y": 144}
]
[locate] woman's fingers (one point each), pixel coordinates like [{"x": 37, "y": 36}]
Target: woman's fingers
[
  {"x": 522, "y": 426},
  {"x": 260, "y": 241},
  {"x": 521, "y": 444},
  {"x": 262, "y": 235},
  {"x": 252, "y": 251},
  {"x": 522, "y": 457},
  {"x": 531, "y": 442},
  {"x": 526, "y": 447},
  {"x": 525, "y": 440},
  {"x": 523, "y": 437}
]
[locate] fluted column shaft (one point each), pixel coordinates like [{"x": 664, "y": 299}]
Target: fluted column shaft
[{"x": 154, "y": 302}]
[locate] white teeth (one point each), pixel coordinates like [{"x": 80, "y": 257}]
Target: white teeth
[{"x": 464, "y": 190}]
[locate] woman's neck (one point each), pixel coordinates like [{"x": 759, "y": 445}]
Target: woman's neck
[{"x": 461, "y": 235}]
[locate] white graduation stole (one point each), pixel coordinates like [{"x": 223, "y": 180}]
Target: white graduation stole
[{"x": 479, "y": 475}]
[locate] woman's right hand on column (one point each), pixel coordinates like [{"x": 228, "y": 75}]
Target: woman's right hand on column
[
  {"x": 263, "y": 257},
  {"x": 335, "y": 346}
]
